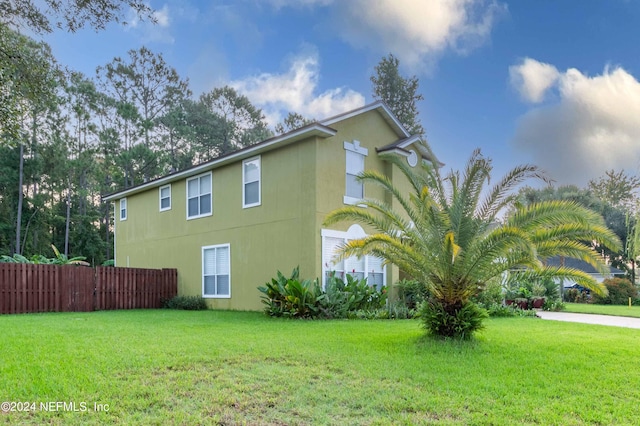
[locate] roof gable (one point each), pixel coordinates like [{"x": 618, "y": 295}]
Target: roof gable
[{"x": 379, "y": 106}]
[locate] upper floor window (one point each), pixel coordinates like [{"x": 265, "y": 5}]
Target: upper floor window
[
  {"x": 123, "y": 209},
  {"x": 165, "y": 198},
  {"x": 199, "y": 202},
  {"x": 251, "y": 182},
  {"x": 355, "y": 154}
]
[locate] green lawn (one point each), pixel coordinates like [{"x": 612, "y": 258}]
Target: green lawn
[
  {"x": 177, "y": 367},
  {"x": 587, "y": 308}
]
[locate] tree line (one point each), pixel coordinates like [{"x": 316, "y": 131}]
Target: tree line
[
  {"x": 66, "y": 138},
  {"x": 79, "y": 137}
]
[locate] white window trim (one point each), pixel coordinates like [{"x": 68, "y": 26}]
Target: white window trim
[
  {"x": 187, "y": 197},
  {"x": 160, "y": 198},
  {"x": 354, "y": 232},
  {"x": 126, "y": 209},
  {"x": 354, "y": 147},
  {"x": 351, "y": 200},
  {"x": 244, "y": 183},
  {"x": 215, "y": 296}
]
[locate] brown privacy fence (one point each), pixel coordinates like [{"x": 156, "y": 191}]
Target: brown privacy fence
[{"x": 54, "y": 288}]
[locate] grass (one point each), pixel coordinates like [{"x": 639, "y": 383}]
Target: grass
[
  {"x": 211, "y": 367},
  {"x": 588, "y": 308}
]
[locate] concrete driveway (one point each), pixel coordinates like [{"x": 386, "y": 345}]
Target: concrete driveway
[{"x": 590, "y": 319}]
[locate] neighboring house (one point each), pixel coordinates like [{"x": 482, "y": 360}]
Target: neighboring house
[
  {"x": 582, "y": 266},
  {"x": 229, "y": 224}
]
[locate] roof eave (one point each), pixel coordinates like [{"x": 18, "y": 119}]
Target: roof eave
[{"x": 313, "y": 130}]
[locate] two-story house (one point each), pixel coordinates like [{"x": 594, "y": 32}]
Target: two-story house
[{"x": 229, "y": 224}]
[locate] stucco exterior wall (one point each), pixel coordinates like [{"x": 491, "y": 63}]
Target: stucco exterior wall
[{"x": 300, "y": 184}]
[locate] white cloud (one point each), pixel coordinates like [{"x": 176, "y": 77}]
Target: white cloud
[
  {"x": 295, "y": 91},
  {"x": 162, "y": 16},
  {"x": 415, "y": 31},
  {"x": 148, "y": 31},
  {"x": 591, "y": 128},
  {"x": 532, "y": 79}
]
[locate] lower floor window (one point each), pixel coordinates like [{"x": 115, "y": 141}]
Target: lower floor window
[
  {"x": 369, "y": 267},
  {"x": 216, "y": 277}
]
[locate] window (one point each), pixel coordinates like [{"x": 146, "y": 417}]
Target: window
[
  {"x": 199, "y": 196},
  {"x": 369, "y": 267},
  {"x": 123, "y": 209},
  {"x": 216, "y": 271},
  {"x": 251, "y": 182},
  {"x": 165, "y": 198},
  {"x": 355, "y": 154}
]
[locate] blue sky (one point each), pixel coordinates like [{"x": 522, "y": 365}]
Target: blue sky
[{"x": 544, "y": 82}]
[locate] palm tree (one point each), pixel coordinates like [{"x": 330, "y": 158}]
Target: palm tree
[{"x": 450, "y": 238}]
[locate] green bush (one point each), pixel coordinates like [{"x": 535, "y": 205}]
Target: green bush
[
  {"x": 574, "y": 295},
  {"x": 399, "y": 310},
  {"x": 291, "y": 297},
  {"x": 334, "y": 303},
  {"x": 396, "y": 310},
  {"x": 553, "y": 305},
  {"x": 620, "y": 290},
  {"x": 490, "y": 295},
  {"x": 187, "y": 303},
  {"x": 362, "y": 296},
  {"x": 38, "y": 259},
  {"x": 500, "y": 310},
  {"x": 461, "y": 322},
  {"x": 412, "y": 293},
  {"x": 524, "y": 285},
  {"x": 552, "y": 289}
]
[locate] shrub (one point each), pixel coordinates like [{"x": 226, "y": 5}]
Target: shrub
[
  {"x": 552, "y": 289},
  {"x": 396, "y": 310},
  {"x": 458, "y": 321},
  {"x": 490, "y": 295},
  {"x": 291, "y": 297},
  {"x": 187, "y": 303},
  {"x": 523, "y": 285},
  {"x": 362, "y": 295},
  {"x": 334, "y": 303},
  {"x": 576, "y": 295},
  {"x": 38, "y": 259},
  {"x": 620, "y": 290},
  {"x": 399, "y": 310},
  {"x": 500, "y": 310},
  {"x": 553, "y": 305},
  {"x": 412, "y": 293}
]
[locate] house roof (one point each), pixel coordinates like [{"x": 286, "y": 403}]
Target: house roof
[
  {"x": 319, "y": 129},
  {"x": 579, "y": 264},
  {"x": 401, "y": 147}
]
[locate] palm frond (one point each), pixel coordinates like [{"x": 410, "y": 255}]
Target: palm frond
[{"x": 501, "y": 194}]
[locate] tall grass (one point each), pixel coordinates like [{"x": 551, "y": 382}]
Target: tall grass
[{"x": 208, "y": 367}]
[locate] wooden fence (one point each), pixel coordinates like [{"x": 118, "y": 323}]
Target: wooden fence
[{"x": 54, "y": 288}]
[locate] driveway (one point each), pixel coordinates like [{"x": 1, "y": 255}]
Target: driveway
[{"x": 590, "y": 319}]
